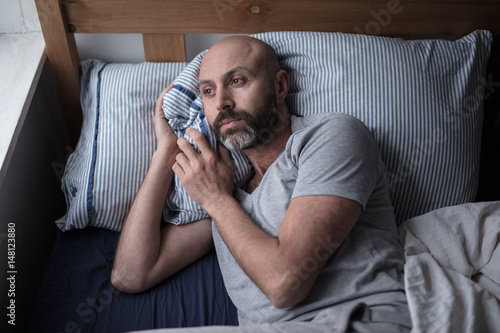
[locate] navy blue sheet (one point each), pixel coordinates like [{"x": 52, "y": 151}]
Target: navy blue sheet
[{"x": 76, "y": 294}]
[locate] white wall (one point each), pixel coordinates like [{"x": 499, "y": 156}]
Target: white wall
[
  {"x": 129, "y": 47},
  {"x": 18, "y": 16}
]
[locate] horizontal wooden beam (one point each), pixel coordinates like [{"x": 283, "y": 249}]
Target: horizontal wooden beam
[{"x": 385, "y": 17}]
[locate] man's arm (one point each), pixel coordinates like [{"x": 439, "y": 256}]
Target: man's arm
[
  {"x": 285, "y": 267},
  {"x": 146, "y": 253}
]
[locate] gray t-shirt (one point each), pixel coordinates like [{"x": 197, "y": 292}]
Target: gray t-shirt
[{"x": 327, "y": 154}]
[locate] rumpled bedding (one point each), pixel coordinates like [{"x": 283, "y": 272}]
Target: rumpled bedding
[
  {"x": 452, "y": 275},
  {"x": 452, "y": 269}
]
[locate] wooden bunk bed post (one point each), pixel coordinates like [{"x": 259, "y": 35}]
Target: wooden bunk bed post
[{"x": 64, "y": 60}]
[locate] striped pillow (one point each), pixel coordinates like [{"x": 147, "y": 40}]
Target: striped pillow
[
  {"x": 104, "y": 173},
  {"x": 421, "y": 99}
]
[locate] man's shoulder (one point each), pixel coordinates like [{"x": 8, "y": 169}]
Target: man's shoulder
[
  {"x": 327, "y": 121},
  {"x": 331, "y": 131}
]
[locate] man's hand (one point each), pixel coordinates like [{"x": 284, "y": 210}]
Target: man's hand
[
  {"x": 205, "y": 176},
  {"x": 166, "y": 138}
]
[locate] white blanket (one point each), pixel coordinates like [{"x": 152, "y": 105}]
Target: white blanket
[
  {"x": 452, "y": 275},
  {"x": 446, "y": 251}
]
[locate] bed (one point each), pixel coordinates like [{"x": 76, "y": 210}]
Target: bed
[{"x": 422, "y": 75}]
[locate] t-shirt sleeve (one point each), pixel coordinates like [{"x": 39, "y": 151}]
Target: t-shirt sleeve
[{"x": 336, "y": 156}]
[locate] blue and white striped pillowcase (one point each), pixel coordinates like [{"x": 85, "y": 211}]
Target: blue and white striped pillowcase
[
  {"x": 421, "y": 99},
  {"x": 105, "y": 171}
]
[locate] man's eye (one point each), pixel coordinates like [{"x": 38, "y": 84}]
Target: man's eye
[
  {"x": 207, "y": 91},
  {"x": 237, "y": 81}
]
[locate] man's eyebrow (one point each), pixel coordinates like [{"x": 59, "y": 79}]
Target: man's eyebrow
[
  {"x": 227, "y": 74},
  {"x": 238, "y": 69},
  {"x": 204, "y": 82}
]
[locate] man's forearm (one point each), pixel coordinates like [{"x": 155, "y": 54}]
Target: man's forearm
[
  {"x": 258, "y": 253},
  {"x": 140, "y": 240}
]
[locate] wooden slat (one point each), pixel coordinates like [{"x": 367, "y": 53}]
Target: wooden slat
[
  {"x": 63, "y": 58},
  {"x": 164, "y": 47},
  {"x": 387, "y": 17}
]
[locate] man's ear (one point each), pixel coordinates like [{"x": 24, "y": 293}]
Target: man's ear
[{"x": 283, "y": 81}]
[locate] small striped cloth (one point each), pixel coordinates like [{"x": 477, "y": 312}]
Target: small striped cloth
[
  {"x": 183, "y": 109},
  {"x": 421, "y": 99}
]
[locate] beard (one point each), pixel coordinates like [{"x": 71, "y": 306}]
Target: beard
[{"x": 254, "y": 128}]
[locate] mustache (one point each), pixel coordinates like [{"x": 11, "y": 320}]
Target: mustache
[{"x": 230, "y": 114}]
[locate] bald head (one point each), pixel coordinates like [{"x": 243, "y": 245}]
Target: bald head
[
  {"x": 243, "y": 91},
  {"x": 254, "y": 51}
]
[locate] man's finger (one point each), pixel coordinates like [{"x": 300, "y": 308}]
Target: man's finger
[
  {"x": 186, "y": 147},
  {"x": 178, "y": 170},
  {"x": 182, "y": 160},
  {"x": 159, "y": 101},
  {"x": 200, "y": 140}
]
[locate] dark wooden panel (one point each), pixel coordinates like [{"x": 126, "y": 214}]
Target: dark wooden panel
[{"x": 164, "y": 47}]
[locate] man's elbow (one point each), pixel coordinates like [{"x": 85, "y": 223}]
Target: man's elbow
[
  {"x": 288, "y": 292},
  {"x": 126, "y": 283},
  {"x": 283, "y": 301}
]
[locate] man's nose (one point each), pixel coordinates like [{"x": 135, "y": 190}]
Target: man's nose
[{"x": 224, "y": 100}]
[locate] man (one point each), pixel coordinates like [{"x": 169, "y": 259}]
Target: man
[{"x": 310, "y": 236}]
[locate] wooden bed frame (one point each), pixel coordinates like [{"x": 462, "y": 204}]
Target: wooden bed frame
[{"x": 163, "y": 24}]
